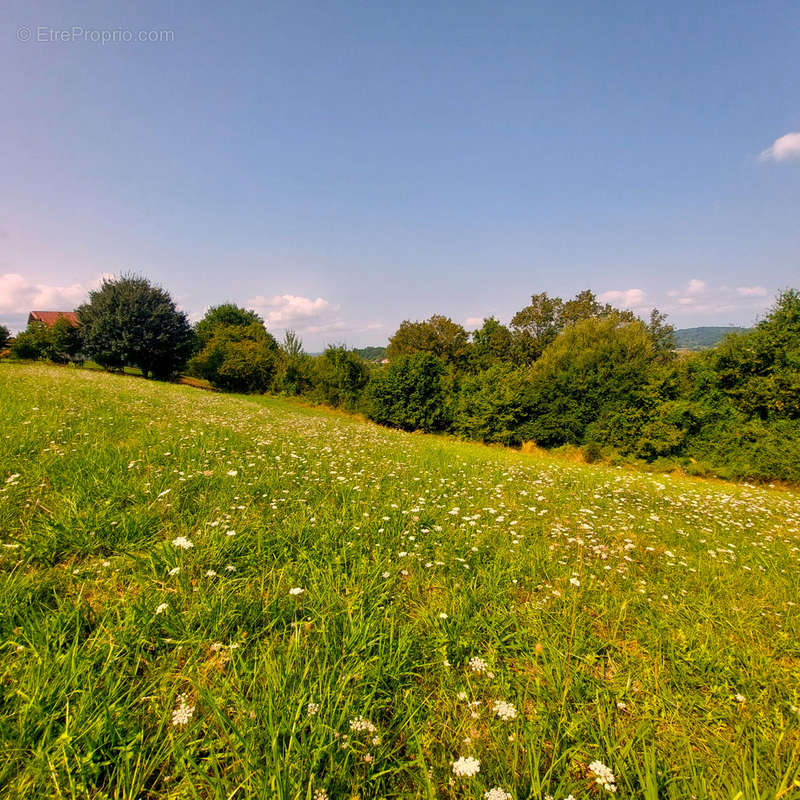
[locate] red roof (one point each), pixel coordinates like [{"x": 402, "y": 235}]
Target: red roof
[{"x": 51, "y": 317}]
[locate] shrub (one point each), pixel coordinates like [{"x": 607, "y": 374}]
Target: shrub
[
  {"x": 409, "y": 394},
  {"x": 493, "y": 405},
  {"x": 339, "y": 377},
  {"x": 226, "y": 314},
  {"x": 598, "y": 369},
  {"x": 238, "y": 358}
]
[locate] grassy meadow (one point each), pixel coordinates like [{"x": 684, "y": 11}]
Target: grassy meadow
[{"x": 211, "y": 596}]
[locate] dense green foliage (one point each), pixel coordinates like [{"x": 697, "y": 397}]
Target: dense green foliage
[
  {"x": 5, "y": 335},
  {"x": 130, "y": 322},
  {"x": 238, "y": 358},
  {"x": 574, "y": 372},
  {"x": 60, "y": 342},
  {"x": 704, "y": 337},
  {"x": 409, "y": 394},
  {"x": 228, "y": 597},
  {"x": 339, "y": 378},
  {"x": 439, "y": 335},
  {"x": 236, "y": 353},
  {"x": 227, "y": 314}
]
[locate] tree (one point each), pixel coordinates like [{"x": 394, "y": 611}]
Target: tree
[
  {"x": 409, "y": 394},
  {"x": 491, "y": 343},
  {"x": 439, "y": 335},
  {"x": 33, "y": 342},
  {"x": 5, "y": 335},
  {"x": 64, "y": 342},
  {"x": 340, "y": 377},
  {"x": 224, "y": 314},
  {"x": 662, "y": 335},
  {"x": 537, "y": 325},
  {"x": 598, "y": 375},
  {"x": 760, "y": 369},
  {"x": 130, "y": 322},
  {"x": 295, "y": 374},
  {"x": 238, "y": 358}
]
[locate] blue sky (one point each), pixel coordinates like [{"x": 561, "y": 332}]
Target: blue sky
[{"x": 341, "y": 166}]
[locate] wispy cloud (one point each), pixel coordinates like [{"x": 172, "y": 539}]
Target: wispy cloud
[
  {"x": 317, "y": 318},
  {"x": 624, "y": 298},
  {"x": 784, "y": 148},
  {"x": 284, "y": 309},
  {"x": 695, "y": 300}
]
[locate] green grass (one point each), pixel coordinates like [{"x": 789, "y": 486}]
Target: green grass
[{"x": 675, "y": 661}]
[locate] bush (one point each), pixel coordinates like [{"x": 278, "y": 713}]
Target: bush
[
  {"x": 238, "y": 358},
  {"x": 339, "y": 377},
  {"x": 599, "y": 370},
  {"x": 5, "y": 335},
  {"x": 227, "y": 314},
  {"x": 409, "y": 394},
  {"x": 493, "y": 405}
]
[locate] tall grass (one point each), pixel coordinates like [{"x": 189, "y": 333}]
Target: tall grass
[{"x": 646, "y": 622}]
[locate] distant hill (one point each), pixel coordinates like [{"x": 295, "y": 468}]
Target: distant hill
[
  {"x": 371, "y": 353},
  {"x": 704, "y": 337}
]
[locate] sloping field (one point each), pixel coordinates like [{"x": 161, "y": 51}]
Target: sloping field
[{"x": 207, "y": 596}]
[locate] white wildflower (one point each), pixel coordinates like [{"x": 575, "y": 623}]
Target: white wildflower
[
  {"x": 312, "y": 709},
  {"x": 466, "y": 767},
  {"x": 182, "y": 542},
  {"x": 360, "y": 724},
  {"x": 183, "y": 711},
  {"x": 496, "y": 794},
  {"x": 162, "y": 608},
  {"x": 296, "y": 591},
  {"x": 506, "y": 711},
  {"x": 477, "y": 664},
  {"x": 603, "y": 776}
]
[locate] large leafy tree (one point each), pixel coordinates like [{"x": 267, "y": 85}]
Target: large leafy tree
[
  {"x": 130, "y": 322},
  {"x": 224, "y": 314},
  {"x": 60, "y": 342},
  {"x": 537, "y": 325},
  {"x": 5, "y": 335},
  {"x": 439, "y": 336},
  {"x": 491, "y": 343}
]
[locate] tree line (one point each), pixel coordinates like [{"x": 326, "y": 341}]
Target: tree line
[{"x": 563, "y": 373}]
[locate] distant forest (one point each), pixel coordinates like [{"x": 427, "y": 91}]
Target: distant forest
[{"x": 685, "y": 339}]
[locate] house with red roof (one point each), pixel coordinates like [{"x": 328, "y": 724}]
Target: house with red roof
[{"x": 50, "y": 318}]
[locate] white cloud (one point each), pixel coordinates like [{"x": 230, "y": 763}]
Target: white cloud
[
  {"x": 284, "y": 309},
  {"x": 695, "y": 301},
  {"x": 473, "y": 322},
  {"x": 696, "y": 286},
  {"x": 784, "y": 148},
  {"x": 625, "y": 298},
  {"x": 18, "y": 295},
  {"x": 752, "y": 291}
]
